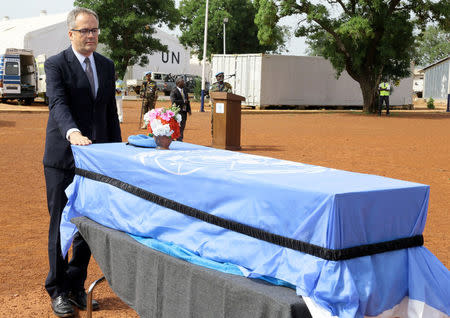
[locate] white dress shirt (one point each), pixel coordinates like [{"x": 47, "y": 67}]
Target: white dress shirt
[
  {"x": 81, "y": 59},
  {"x": 182, "y": 94}
]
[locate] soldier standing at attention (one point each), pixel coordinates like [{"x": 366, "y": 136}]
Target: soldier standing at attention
[
  {"x": 149, "y": 96},
  {"x": 219, "y": 86}
]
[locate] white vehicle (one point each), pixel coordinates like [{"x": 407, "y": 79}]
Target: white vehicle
[
  {"x": 418, "y": 82},
  {"x": 164, "y": 83},
  {"x": 134, "y": 85},
  {"x": 18, "y": 76},
  {"x": 42, "y": 85}
]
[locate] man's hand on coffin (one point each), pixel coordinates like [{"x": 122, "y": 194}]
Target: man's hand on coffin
[{"x": 76, "y": 138}]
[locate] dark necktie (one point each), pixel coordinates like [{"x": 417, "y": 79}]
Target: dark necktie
[{"x": 90, "y": 75}]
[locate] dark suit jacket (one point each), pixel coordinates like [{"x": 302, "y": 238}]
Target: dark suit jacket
[
  {"x": 175, "y": 97},
  {"x": 72, "y": 105}
]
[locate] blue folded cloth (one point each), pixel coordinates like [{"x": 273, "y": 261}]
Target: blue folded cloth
[{"x": 142, "y": 141}]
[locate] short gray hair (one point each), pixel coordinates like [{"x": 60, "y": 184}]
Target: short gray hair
[{"x": 71, "y": 17}]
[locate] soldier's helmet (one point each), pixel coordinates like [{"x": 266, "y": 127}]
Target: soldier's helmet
[{"x": 218, "y": 74}]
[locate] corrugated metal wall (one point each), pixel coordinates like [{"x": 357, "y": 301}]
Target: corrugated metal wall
[
  {"x": 436, "y": 81},
  {"x": 305, "y": 80},
  {"x": 295, "y": 80},
  {"x": 248, "y": 78},
  {"x": 226, "y": 64}
]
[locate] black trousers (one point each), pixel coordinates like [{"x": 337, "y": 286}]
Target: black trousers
[
  {"x": 182, "y": 125},
  {"x": 63, "y": 276},
  {"x": 380, "y": 105}
]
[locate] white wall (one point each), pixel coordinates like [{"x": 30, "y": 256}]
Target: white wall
[
  {"x": 49, "y": 35},
  {"x": 49, "y": 40},
  {"x": 296, "y": 80},
  {"x": 175, "y": 61}
]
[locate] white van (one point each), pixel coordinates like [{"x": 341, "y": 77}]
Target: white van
[{"x": 18, "y": 76}]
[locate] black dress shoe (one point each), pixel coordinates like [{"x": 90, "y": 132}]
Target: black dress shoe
[
  {"x": 62, "y": 307},
  {"x": 79, "y": 299}
]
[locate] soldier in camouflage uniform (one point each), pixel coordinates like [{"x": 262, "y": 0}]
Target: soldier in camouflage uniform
[
  {"x": 219, "y": 86},
  {"x": 149, "y": 96}
]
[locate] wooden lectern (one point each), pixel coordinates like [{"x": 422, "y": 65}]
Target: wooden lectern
[{"x": 226, "y": 120}]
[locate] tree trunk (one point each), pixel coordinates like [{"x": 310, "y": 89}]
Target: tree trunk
[
  {"x": 121, "y": 69},
  {"x": 369, "y": 91}
]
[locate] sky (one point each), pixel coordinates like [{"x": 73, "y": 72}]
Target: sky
[{"x": 16, "y": 9}]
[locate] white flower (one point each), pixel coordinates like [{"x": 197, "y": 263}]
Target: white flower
[
  {"x": 147, "y": 117},
  {"x": 178, "y": 118},
  {"x": 159, "y": 129}
]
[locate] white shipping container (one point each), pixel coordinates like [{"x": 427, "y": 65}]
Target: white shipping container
[{"x": 267, "y": 80}]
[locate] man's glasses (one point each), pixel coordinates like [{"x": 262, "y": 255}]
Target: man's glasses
[{"x": 84, "y": 32}]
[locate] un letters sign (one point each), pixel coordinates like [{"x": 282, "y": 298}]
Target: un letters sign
[{"x": 170, "y": 57}]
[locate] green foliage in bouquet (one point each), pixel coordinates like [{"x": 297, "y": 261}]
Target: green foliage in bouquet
[{"x": 173, "y": 108}]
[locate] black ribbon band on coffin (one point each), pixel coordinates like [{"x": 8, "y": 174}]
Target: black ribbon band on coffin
[{"x": 304, "y": 247}]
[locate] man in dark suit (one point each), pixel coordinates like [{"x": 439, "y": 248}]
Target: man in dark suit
[
  {"x": 179, "y": 96},
  {"x": 81, "y": 91}
]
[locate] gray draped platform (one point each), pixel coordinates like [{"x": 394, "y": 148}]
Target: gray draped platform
[{"x": 158, "y": 285}]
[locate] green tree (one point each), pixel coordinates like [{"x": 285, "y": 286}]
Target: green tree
[
  {"x": 370, "y": 39},
  {"x": 241, "y": 30},
  {"x": 432, "y": 46},
  {"x": 127, "y": 28}
]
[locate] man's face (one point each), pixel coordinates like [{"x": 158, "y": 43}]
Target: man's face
[
  {"x": 220, "y": 77},
  {"x": 149, "y": 77},
  {"x": 84, "y": 44},
  {"x": 180, "y": 84}
]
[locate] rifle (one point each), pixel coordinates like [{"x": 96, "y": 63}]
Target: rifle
[{"x": 142, "y": 112}]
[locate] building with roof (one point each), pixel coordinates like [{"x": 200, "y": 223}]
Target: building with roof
[
  {"x": 437, "y": 80},
  {"x": 48, "y": 34},
  {"x": 45, "y": 34}
]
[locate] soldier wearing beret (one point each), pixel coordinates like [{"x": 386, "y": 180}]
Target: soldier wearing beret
[{"x": 219, "y": 86}]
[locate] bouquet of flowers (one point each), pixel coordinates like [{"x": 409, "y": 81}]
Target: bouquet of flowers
[{"x": 163, "y": 122}]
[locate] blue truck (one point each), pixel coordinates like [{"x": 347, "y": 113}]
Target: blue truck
[{"x": 18, "y": 76}]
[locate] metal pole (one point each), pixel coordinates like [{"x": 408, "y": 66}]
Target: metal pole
[
  {"x": 205, "y": 38},
  {"x": 224, "y": 50},
  {"x": 89, "y": 296},
  {"x": 225, "y": 20}
]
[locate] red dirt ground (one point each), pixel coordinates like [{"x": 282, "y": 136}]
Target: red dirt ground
[{"x": 412, "y": 146}]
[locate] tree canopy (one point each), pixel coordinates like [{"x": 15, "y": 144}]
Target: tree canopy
[
  {"x": 241, "y": 30},
  {"x": 127, "y": 28},
  {"x": 370, "y": 39},
  {"x": 432, "y": 46}
]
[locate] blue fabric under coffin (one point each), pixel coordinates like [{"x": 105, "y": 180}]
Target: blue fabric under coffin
[
  {"x": 186, "y": 255},
  {"x": 326, "y": 207}
]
